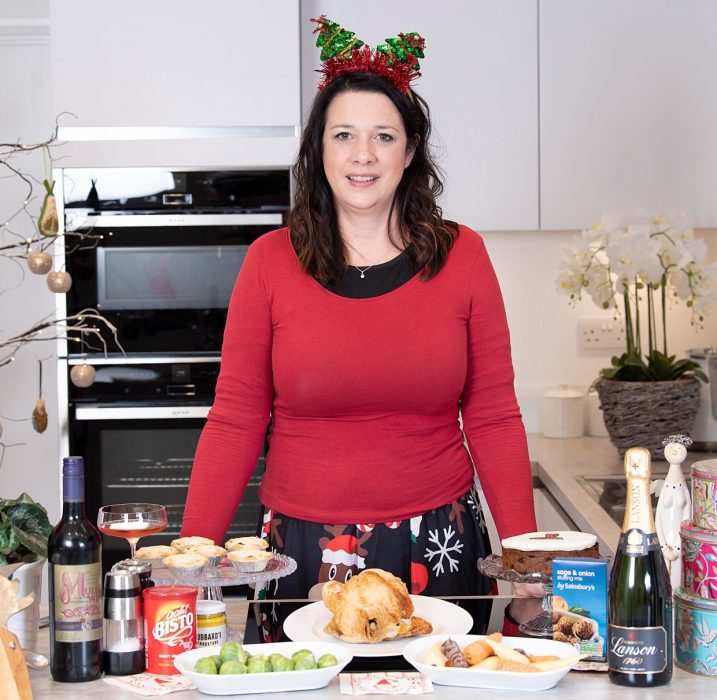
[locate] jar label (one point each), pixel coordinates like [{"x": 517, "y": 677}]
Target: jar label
[
  {"x": 637, "y": 649},
  {"x": 78, "y": 602},
  {"x": 212, "y": 636}
]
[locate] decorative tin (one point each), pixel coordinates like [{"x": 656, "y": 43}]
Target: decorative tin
[
  {"x": 699, "y": 561},
  {"x": 704, "y": 494},
  {"x": 695, "y": 634}
]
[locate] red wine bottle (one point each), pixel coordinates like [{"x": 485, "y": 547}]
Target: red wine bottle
[
  {"x": 639, "y": 644},
  {"x": 74, "y": 552}
]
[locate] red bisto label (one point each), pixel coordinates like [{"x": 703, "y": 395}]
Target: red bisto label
[{"x": 170, "y": 625}]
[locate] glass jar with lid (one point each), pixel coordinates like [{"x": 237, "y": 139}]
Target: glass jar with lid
[{"x": 211, "y": 623}]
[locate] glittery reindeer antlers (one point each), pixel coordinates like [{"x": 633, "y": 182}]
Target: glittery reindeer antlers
[{"x": 342, "y": 52}]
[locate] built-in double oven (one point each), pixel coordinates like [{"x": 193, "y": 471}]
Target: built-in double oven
[{"x": 156, "y": 252}]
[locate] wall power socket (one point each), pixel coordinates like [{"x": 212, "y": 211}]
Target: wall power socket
[{"x": 600, "y": 333}]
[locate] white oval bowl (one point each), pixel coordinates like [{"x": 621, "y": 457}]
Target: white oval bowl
[
  {"x": 497, "y": 680},
  {"x": 240, "y": 683}
]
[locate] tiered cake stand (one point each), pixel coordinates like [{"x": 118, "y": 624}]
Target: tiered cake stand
[
  {"x": 216, "y": 577},
  {"x": 541, "y": 625}
]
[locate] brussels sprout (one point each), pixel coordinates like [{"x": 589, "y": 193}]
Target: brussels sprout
[
  {"x": 302, "y": 652},
  {"x": 258, "y": 664},
  {"x": 230, "y": 650},
  {"x": 216, "y": 659},
  {"x": 206, "y": 665},
  {"x": 280, "y": 663},
  {"x": 234, "y": 650},
  {"x": 232, "y": 666},
  {"x": 327, "y": 660},
  {"x": 305, "y": 663}
]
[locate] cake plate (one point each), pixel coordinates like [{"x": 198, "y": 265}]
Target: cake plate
[
  {"x": 214, "y": 578},
  {"x": 541, "y": 625}
]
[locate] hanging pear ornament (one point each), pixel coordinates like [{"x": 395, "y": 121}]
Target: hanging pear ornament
[
  {"x": 39, "y": 262},
  {"x": 48, "y": 223},
  {"x": 39, "y": 415},
  {"x": 83, "y": 375},
  {"x": 59, "y": 282}
]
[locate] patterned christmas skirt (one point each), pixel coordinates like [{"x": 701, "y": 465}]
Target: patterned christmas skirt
[{"x": 434, "y": 553}]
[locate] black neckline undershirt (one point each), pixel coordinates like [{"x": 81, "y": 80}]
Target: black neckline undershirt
[{"x": 378, "y": 279}]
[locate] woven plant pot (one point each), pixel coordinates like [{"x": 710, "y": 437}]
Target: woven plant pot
[{"x": 642, "y": 414}]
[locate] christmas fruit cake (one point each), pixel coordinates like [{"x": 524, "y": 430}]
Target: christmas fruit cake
[{"x": 533, "y": 552}]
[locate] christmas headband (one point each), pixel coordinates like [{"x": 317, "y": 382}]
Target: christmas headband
[{"x": 341, "y": 52}]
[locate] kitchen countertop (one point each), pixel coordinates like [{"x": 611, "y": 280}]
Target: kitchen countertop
[
  {"x": 586, "y": 685},
  {"x": 560, "y": 463}
]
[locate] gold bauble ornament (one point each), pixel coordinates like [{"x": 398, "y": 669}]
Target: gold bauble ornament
[
  {"x": 59, "y": 282},
  {"x": 83, "y": 376},
  {"x": 39, "y": 262}
]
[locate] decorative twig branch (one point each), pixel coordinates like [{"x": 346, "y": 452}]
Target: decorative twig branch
[{"x": 87, "y": 323}]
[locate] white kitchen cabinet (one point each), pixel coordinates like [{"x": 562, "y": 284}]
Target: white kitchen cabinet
[
  {"x": 479, "y": 77},
  {"x": 176, "y": 63},
  {"x": 628, "y": 106}
]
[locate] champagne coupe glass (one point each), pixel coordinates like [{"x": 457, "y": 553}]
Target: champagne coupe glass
[{"x": 132, "y": 521}]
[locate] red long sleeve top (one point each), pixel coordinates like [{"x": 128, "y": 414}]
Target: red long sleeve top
[{"x": 364, "y": 397}]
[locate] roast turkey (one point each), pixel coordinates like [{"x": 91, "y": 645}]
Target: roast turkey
[{"x": 372, "y": 606}]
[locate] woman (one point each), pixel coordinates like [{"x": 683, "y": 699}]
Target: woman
[{"x": 366, "y": 330}]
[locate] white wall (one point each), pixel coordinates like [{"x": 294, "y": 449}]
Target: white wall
[{"x": 543, "y": 326}]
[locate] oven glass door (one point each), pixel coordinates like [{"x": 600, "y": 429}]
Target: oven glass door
[{"x": 148, "y": 460}]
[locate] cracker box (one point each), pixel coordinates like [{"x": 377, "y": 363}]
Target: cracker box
[{"x": 580, "y": 605}]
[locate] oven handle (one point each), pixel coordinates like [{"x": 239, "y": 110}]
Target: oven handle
[
  {"x": 139, "y": 412},
  {"x": 75, "y": 222}
]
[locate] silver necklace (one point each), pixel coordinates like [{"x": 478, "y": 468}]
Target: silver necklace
[{"x": 365, "y": 269}]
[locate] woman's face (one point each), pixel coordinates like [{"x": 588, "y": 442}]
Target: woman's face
[{"x": 365, "y": 150}]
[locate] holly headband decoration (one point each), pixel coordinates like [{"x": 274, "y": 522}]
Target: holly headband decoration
[{"x": 342, "y": 52}]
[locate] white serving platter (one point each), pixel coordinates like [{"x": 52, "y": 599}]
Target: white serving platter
[
  {"x": 307, "y": 625},
  {"x": 494, "y": 680},
  {"x": 242, "y": 683}
]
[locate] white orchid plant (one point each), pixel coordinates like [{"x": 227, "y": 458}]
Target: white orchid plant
[{"x": 639, "y": 268}]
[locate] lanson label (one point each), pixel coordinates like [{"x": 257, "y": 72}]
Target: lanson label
[{"x": 637, "y": 649}]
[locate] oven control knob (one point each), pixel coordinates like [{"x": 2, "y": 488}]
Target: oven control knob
[{"x": 82, "y": 375}]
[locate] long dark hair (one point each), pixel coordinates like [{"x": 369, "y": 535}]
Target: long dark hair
[{"x": 423, "y": 232}]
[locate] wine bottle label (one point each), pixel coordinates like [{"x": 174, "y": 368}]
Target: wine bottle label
[
  {"x": 637, "y": 649},
  {"x": 78, "y": 602},
  {"x": 636, "y": 543}
]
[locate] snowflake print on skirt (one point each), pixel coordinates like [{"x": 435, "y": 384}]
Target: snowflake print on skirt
[{"x": 444, "y": 549}]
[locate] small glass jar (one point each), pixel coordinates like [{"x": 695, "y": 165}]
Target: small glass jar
[{"x": 211, "y": 623}]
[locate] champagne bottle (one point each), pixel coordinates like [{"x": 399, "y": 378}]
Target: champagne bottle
[
  {"x": 640, "y": 600},
  {"x": 74, "y": 552}
]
